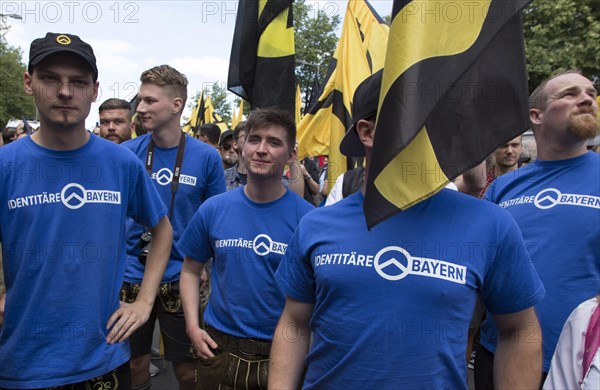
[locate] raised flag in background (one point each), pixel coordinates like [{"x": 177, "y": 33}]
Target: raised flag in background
[
  {"x": 238, "y": 115},
  {"x": 211, "y": 116},
  {"x": 261, "y": 67},
  {"x": 454, "y": 88},
  {"x": 360, "y": 53},
  {"x": 202, "y": 113}
]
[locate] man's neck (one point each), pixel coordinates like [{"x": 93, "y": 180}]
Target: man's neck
[
  {"x": 553, "y": 151},
  {"x": 167, "y": 137},
  {"x": 264, "y": 190},
  {"x": 241, "y": 168},
  {"x": 501, "y": 170},
  {"x": 61, "y": 139}
]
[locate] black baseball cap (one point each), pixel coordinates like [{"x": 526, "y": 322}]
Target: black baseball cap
[
  {"x": 55, "y": 43},
  {"x": 364, "y": 106},
  {"x": 224, "y": 135}
]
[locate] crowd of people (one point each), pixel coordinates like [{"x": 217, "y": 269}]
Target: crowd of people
[{"x": 217, "y": 238}]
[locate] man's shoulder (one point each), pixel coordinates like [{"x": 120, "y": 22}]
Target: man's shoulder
[
  {"x": 114, "y": 152},
  {"x": 302, "y": 205},
  {"x": 196, "y": 143},
  {"x": 137, "y": 143},
  {"x": 227, "y": 199}
]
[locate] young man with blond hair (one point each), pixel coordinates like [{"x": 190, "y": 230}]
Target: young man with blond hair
[{"x": 185, "y": 172}]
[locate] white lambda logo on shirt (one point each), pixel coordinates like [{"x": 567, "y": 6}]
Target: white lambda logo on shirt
[
  {"x": 72, "y": 196},
  {"x": 550, "y": 197},
  {"x": 395, "y": 263},
  {"x": 164, "y": 177},
  {"x": 262, "y": 245}
]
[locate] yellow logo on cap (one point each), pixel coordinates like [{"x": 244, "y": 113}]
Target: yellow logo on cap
[{"x": 63, "y": 40}]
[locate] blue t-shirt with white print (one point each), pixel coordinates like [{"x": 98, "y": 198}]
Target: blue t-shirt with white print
[
  {"x": 247, "y": 240},
  {"x": 557, "y": 206},
  {"x": 201, "y": 177},
  {"x": 62, "y": 224},
  {"x": 392, "y": 305}
]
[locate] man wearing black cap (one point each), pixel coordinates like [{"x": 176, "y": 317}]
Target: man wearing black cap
[
  {"x": 226, "y": 149},
  {"x": 389, "y": 308},
  {"x": 64, "y": 199}
]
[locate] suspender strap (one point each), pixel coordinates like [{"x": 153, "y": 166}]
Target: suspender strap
[{"x": 176, "y": 171}]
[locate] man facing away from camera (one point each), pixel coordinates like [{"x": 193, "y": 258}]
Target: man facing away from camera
[{"x": 389, "y": 307}]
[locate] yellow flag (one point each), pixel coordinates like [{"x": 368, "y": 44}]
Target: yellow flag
[
  {"x": 238, "y": 115},
  {"x": 193, "y": 123},
  {"x": 360, "y": 53},
  {"x": 211, "y": 116}
]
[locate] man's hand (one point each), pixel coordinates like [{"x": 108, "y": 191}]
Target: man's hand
[
  {"x": 202, "y": 342},
  {"x": 2, "y": 303},
  {"x": 126, "y": 320}
]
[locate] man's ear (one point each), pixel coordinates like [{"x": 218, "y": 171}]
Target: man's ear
[
  {"x": 535, "y": 116},
  {"x": 292, "y": 156},
  {"x": 95, "y": 91},
  {"x": 366, "y": 132},
  {"x": 177, "y": 105},
  {"x": 27, "y": 84}
]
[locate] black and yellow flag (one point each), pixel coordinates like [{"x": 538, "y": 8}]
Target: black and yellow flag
[
  {"x": 202, "y": 113},
  {"x": 360, "y": 53},
  {"x": 211, "y": 116},
  {"x": 261, "y": 68},
  {"x": 454, "y": 88}
]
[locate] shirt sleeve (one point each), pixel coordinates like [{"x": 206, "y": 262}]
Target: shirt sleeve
[
  {"x": 195, "y": 240},
  {"x": 145, "y": 205},
  {"x": 215, "y": 182},
  {"x": 489, "y": 193},
  {"x": 335, "y": 195},
  {"x": 566, "y": 369},
  {"x": 295, "y": 273},
  {"x": 511, "y": 282}
]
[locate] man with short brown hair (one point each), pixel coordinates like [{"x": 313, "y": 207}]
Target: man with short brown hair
[
  {"x": 246, "y": 232},
  {"x": 115, "y": 120}
]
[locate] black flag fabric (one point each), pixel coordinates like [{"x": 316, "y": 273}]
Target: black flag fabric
[
  {"x": 261, "y": 67},
  {"x": 454, "y": 88}
]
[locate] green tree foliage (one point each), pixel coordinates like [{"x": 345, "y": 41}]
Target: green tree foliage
[
  {"x": 13, "y": 101},
  {"x": 315, "y": 39},
  {"x": 560, "y": 35}
]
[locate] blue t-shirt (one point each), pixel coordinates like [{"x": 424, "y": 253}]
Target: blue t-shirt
[
  {"x": 392, "y": 305},
  {"x": 247, "y": 240},
  {"x": 201, "y": 177},
  {"x": 62, "y": 221},
  {"x": 557, "y": 206}
]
